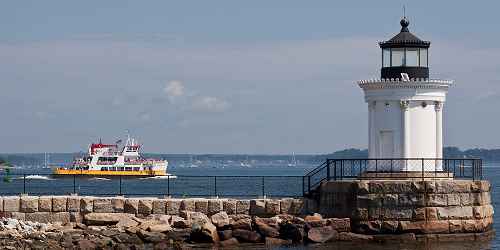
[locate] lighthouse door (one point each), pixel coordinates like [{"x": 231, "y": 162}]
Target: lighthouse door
[{"x": 386, "y": 144}]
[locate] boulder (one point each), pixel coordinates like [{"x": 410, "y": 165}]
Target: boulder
[
  {"x": 229, "y": 242},
  {"x": 152, "y": 237},
  {"x": 247, "y": 235},
  {"x": 102, "y": 219},
  {"x": 322, "y": 234},
  {"x": 268, "y": 231},
  {"x": 292, "y": 232},
  {"x": 197, "y": 217},
  {"x": 277, "y": 242},
  {"x": 220, "y": 219},
  {"x": 314, "y": 217},
  {"x": 240, "y": 221},
  {"x": 340, "y": 224},
  {"x": 126, "y": 222},
  {"x": 179, "y": 234},
  {"x": 225, "y": 234},
  {"x": 179, "y": 222},
  {"x": 86, "y": 245},
  {"x": 348, "y": 236},
  {"x": 161, "y": 228},
  {"x": 205, "y": 232}
]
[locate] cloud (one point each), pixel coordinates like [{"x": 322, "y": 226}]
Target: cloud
[
  {"x": 210, "y": 104},
  {"x": 174, "y": 89}
]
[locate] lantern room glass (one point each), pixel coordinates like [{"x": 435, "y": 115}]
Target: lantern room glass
[
  {"x": 423, "y": 58},
  {"x": 398, "y": 57},
  {"x": 412, "y": 57},
  {"x": 404, "y": 57},
  {"x": 386, "y": 57}
]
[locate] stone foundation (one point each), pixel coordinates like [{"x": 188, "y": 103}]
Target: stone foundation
[
  {"x": 409, "y": 206},
  {"x": 72, "y": 208}
]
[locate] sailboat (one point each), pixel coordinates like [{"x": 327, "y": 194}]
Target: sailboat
[{"x": 293, "y": 162}]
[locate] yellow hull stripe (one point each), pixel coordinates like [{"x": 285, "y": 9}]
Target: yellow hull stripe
[{"x": 99, "y": 172}]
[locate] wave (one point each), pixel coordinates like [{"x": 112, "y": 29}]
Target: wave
[
  {"x": 36, "y": 177},
  {"x": 159, "y": 177},
  {"x": 99, "y": 179}
]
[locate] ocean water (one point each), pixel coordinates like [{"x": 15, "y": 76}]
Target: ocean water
[{"x": 209, "y": 181}]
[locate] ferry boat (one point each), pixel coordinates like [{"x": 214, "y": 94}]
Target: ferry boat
[{"x": 106, "y": 159}]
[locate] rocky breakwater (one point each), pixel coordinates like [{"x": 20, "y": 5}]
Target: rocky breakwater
[{"x": 128, "y": 231}]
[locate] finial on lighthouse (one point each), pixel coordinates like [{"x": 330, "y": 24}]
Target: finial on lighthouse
[{"x": 404, "y": 22}]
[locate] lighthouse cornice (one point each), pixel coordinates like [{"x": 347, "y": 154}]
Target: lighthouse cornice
[{"x": 411, "y": 84}]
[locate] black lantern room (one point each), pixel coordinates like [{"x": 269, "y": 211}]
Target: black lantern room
[{"x": 405, "y": 53}]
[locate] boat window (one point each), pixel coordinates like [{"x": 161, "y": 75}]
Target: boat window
[
  {"x": 128, "y": 168},
  {"x": 112, "y": 168},
  {"x": 136, "y": 168},
  {"x": 104, "y": 169}
]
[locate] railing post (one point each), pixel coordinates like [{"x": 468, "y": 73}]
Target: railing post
[
  {"x": 309, "y": 183},
  {"x": 327, "y": 169},
  {"x": 24, "y": 183},
  {"x": 215, "y": 186},
  {"x": 423, "y": 177},
  {"x": 263, "y": 189},
  {"x": 335, "y": 170},
  {"x": 168, "y": 185},
  {"x": 303, "y": 186},
  {"x": 120, "y": 185}
]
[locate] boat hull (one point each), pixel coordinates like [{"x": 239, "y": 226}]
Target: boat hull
[{"x": 60, "y": 171}]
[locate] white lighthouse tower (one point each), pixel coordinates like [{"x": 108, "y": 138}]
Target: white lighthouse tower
[{"x": 405, "y": 106}]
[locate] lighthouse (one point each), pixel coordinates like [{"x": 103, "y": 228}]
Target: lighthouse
[{"x": 405, "y": 106}]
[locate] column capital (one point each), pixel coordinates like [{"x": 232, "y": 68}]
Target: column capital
[
  {"x": 405, "y": 104},
  {"x": 438, "y": 106},
  {"x": 371, "y": 104}
]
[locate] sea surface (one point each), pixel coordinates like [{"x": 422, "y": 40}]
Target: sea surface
[{"x": 216, "y": 179}]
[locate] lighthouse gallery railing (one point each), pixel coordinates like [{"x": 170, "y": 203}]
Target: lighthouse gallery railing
[{"x": 341, "y": 169}]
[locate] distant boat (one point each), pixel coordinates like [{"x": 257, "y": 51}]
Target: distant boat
[
  {"x": 245, "y": 163},
  {"x": 293, "y": 162},
  {"x": 192, "y": 163}
]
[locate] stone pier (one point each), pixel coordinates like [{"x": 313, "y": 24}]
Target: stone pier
[{"x": 409, "y": 206}]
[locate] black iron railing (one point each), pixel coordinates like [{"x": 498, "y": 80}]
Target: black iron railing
[
  {"x": 174, "y": 186},
  {"x": 417, "y": 168}
]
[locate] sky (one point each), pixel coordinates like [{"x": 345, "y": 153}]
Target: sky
[{"x": 249, "y": 77}]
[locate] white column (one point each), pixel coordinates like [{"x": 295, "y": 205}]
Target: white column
[
  {"x": 405, "y": 124},
  {"x": 438, "y": 106},
  {"x": 371, "y": 129}
]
